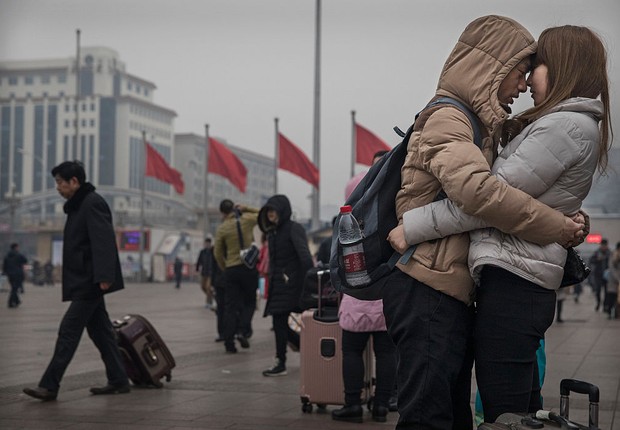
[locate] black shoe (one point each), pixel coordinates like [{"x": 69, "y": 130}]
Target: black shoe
[
  {"x": 379, "y": 413},
  {"x": 41, "y": 393},
  {"x": 278, "y": 369},
  {"x": 219, "y": 339},
  {"x": 111, "y": 389},
  {"x": 393, "y": 404},
  {"x": 351, "y": 413},
  {"x": 243, "y": 341},
  {"x": 232, "y": 350}
]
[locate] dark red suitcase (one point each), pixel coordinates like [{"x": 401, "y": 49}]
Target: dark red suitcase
[{"x": 146, "y": 357}]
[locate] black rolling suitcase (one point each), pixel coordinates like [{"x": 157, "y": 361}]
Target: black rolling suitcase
[
  {"x": 146, "y": 357},
  {"x": 552, "y": 420}
]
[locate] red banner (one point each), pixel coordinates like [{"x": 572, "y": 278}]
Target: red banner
[
  {"x": 292, "y": 159},
  {"x": 367, "y": 145},
  {"x": 157, "y": 167},
  {"x": 223, "y": 162}
]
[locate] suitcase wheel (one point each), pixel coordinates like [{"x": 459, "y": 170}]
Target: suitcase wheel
[{"x": 306, "y": 408}]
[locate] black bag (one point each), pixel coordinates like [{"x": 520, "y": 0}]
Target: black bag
[
  {"x": 310, "y": 293},
  {"x": 249, "y": 256},
  {"x": 374, "y": 207},
  {"x": 575, "y": 269}
]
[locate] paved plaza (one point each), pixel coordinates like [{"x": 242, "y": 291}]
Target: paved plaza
[{"x": 214, "y": 390}]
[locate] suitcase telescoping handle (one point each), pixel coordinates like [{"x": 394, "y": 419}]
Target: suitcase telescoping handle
[{"x": 568, "y": 385}]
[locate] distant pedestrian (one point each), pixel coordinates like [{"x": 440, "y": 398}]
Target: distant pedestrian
[
  {"x": 289, "y": 261},
  {"x": 599, "y": 262},
  {"x": 204, "y": 266},
  {"x": 178, "y": 272},
  {"x": 48, "y": 270},
  {"x": 91, "y": 268},
  {"x": 13, "y": 268}
]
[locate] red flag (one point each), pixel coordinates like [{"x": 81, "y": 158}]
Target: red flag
[
  {"x": 157, "y": 167},
  {"x": 367, "y": 145},
  {"x": 223, "y": 162},
  {"x": 291, "y": 158}
]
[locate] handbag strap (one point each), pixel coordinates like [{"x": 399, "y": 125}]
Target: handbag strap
[{"x": 239, "y": 230}]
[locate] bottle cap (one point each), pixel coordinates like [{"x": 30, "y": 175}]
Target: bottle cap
[{"x": 345, "y": 209}]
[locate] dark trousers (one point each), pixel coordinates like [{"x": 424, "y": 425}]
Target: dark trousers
[
  {"x": 512, "y": 316},
  {"x": 240, "y": 298},
  {"x": 16, "y": 286},
  {"x": 220, "y": 296},
  {"x": 353, "y": 346},
  {"x": 280, "y": 330},
  {"x": 432, "y": 333},
  {"x": 92, "y": 315}
]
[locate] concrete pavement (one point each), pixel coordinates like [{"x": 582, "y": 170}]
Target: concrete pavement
[{"x": 214, "y": 390}]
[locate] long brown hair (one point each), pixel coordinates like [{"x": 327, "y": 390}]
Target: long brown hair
[{"x": 576, "y": 60}]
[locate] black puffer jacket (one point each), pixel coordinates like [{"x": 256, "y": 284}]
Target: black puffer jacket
[{"x": 289, "y": 256}]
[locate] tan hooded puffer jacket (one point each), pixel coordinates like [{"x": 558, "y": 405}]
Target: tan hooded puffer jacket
[{"x": 441, "y": 154}]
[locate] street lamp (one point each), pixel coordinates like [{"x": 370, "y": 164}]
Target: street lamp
[
  {"x": 14, "y": 200},
  {"x": 43, "y": 182}
]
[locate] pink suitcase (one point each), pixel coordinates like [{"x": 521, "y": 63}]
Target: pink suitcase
[{"x": 321, "y": 359}]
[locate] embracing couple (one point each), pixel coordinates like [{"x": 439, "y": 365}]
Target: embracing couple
[{"x": 482, "y": 282}]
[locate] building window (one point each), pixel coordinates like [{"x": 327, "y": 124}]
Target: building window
[
  {"x": 61, "y": 93},
  {"x": 92, "y": 122},
  {"x": 67, "y": 123},
  {"x": 146, "y": 91},
  {"x": 44, "y": 93},
  {"x": 92, "y": 107},
  {"x": 67, "y": 108},
  {"x": 28, "y": 80},
  {"x": 83, "y": 107},
  {"x": 129, "y": 86},
  {"x": 45, "y": 79},
  {"x": 62, "y": 78},
  {"x": 138, "y": 89},
  {"x": 83, "y": 123},
  {"x": 12, "y": 80}
]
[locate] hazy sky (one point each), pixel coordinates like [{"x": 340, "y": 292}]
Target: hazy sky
[{"x": 237, "y": 64}]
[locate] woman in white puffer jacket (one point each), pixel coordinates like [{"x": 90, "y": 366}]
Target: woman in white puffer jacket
[{"x": 560, "y": 142}]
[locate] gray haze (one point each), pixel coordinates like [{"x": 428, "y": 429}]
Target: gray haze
[{"x": 237, "y": 64}]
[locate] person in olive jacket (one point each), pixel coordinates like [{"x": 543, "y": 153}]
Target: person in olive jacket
[
  {"x": 91, "y": 268},
  {"x": 289, "y": 260}
]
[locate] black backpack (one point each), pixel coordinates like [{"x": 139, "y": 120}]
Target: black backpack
[{"x": 374, "y": 206}]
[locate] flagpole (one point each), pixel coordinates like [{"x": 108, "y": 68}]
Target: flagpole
[
  {"x": 78, "y": 151},
  {"x": 353, "y": 140},
  {"x": 206, "y": 184},
  {"x": 142, "y": 193},
  {"x": 276, "y": 158},
  {"x": 316, "y": 152}
]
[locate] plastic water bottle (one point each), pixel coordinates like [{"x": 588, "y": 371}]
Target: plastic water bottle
[{"x": 350, "y": 237}]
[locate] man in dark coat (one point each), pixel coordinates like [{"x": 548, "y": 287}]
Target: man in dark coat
[
  {"x": 91, "y": 268},
  {"x": 204, "y": 265},
  {"x": 13, "y": 268},
  {"x": 289, "y": 261}
]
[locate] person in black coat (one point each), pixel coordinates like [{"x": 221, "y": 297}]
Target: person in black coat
[
  {"x": 13, "y": 268},
  {"x": 289, "y": 260},
  {"x": 91, "y": 268}
]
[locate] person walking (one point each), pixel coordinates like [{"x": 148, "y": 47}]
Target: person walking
[
  {"x": 91, "y": 269},
  {"x": 240, "y": 281},
  {"x": 432, "y": 292},
  {"x": 204, "y": 266},
  {"x": 13, "y": 268},
  {"x": 177, "y": 268},
  {"x": 551, "y": 151},
  {"x": 289, "y": 261},
  {"x": 599, "y": 262}
]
